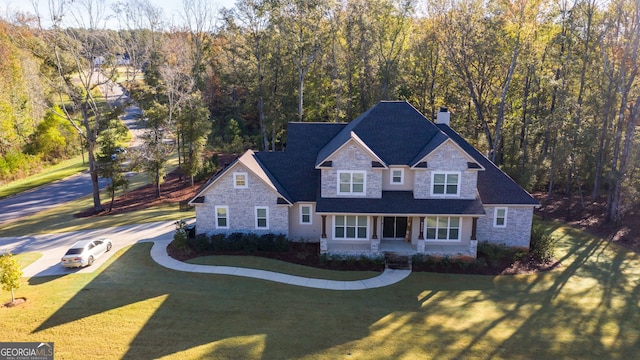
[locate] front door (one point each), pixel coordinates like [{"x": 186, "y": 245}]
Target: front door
[{"x": 394, "y": 227}]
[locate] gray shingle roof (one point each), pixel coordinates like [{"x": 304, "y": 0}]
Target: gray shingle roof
[
  {"x": 394, "y": 130},
  {"x": 399, "y": 202}
]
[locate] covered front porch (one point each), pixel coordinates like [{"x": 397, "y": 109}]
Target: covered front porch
[{"x": 380, "y": 247}]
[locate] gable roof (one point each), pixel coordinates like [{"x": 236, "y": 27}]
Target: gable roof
[
  {"x": 494, "y": 186},
  {"x": 294, "y": 168},
  {"x": 389, "y": 129},
  {"x": 249, "y": 160}
]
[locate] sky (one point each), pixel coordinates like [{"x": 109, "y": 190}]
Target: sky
[{"x": 171, "y": 8}]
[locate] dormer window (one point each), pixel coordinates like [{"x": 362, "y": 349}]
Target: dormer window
[
  {"x": 352, "y": 182},
  {"x": 397, "y": 176},
  {"x": 240, "y": 180},
  {"x": 445, "y": 183}
]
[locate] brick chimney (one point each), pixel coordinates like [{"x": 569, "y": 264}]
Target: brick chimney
[{"x": 443, "y": 116}]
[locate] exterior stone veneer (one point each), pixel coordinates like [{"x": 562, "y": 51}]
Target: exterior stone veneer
[
  {"x": 241, "y": 203},
  {"x": 517, "y": 233},
  {"x": 351, "y": 157},
  {"x": 447, "y": 158}
]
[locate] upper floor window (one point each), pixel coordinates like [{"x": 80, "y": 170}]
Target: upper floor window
[
  {"x": 445, "y": 183},
  {"x": 443, "y": 228},
  {"x": 262, "y": 217},
  {"x": 500, "y": 217},
  {"x": 240, "y": 180},
  {"x": 352, "y": 182},
  {"x": 222, "y": 217},
  {"x": 397, "y": 176},
  {"x": 305, "y": 215}
]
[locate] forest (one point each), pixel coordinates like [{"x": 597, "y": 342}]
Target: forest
[{"x": 547, "y": 89}]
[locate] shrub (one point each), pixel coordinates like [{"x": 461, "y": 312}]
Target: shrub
[
  {"x": 542, "y": 246},
  {"x": 233, "y": 242},
  {"x": 217, "y": 242},
  {"x": 180, "y": 238},
  {"x": 200, "y": 242},
  {"x": 495, "y": 254}
]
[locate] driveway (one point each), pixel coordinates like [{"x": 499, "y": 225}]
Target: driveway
[{"x": 54, "y": 246}]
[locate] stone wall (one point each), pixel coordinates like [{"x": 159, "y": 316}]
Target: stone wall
[
  {"x": 241, "y": 203},
  {"x": 351, "y": 157},
  {"x": 517, "y": 233}
]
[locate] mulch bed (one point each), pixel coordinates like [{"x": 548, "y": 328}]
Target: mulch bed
[{"x": 308, "y": 254}]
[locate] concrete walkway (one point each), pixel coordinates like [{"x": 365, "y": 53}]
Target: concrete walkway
[{"x": 388, "y": 277}]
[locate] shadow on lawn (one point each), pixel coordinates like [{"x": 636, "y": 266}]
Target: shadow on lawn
[
  {"x": 547, "y": 315},
  {"x": 203, "y": 309},
  {"x": 564, "y": 323}
]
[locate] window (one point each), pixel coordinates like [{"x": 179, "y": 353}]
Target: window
[
  {"x": 262, "y": 217},
  {"x": 240, "y": 180},
  {"x": 500, "y": 217},
  {"x": 397, "y": 176},
  {"x": 305, "y": 215},
  {"x": 351, "y": 182},
  {"x": 350, "y": 227},
  {"x": 445, "y": 184},
  {"x": 443, "y": 228},
  {"x": 222, "y": 217}
]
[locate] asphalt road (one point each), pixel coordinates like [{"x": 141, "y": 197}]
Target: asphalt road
[{"x": 46, "y": 197}]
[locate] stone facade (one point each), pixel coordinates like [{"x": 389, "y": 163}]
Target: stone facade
[
  {"x": 351, "y": 157},
  {"x": 241, "y": 203},
  {"x": 447, "y": 158},
  {"x": 517, "y": 233}
]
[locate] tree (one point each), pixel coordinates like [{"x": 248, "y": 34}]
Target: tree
[
  {"x": 194, "y": 127},
  {"x": 155, "y": 152},
  {"x": 10, "y": 273},
  {"x": 111, "y": 157},
  {"x": 81, "y": 61}
]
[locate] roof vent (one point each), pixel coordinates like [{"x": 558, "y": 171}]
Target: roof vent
[{"x": 443, "y": 116}]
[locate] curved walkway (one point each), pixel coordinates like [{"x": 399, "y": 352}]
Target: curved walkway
[{"x": 388, "y": 277}]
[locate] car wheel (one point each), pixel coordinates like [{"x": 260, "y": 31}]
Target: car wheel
[
  {"x": 90, "y": 260},
  {"x": 108, "y": 246}
]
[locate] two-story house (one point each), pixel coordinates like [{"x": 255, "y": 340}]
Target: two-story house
[{"x": 390, "y": 180}]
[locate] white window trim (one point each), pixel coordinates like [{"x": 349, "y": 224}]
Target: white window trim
[
  {"x": 446, "y": 173},
  {"x": 495, "y": 217},
  {"x": 310, "y": 214},
  {"x": 351, "y": 172},
  {"x": 401, "y": 176},
  {"x": 255, "y": 212},
  {"x": 235, "y": 182},
  {"x": 227, "y": 212},
  {"x": 459, "y": 239},
  {"x": 333, "y": 229}
]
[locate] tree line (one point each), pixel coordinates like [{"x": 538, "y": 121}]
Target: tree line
[{"x": 548, "y": 90}]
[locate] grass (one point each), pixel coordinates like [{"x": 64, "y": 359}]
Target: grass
[
  {"x": 26, "y": 259},
  {"x": 133, "y": 308},
  {"x": 48, "y": 175},
  {"x": 254, "y": 262}
]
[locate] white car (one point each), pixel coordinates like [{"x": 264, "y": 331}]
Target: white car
[{"x": 84, "y": 252}]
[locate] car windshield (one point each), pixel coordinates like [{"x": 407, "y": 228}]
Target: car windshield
[{"x": 75, "y": 251}]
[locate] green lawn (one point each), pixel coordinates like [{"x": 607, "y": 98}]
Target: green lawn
[
  {"x": 260, "y": 263},
  {"x": 133, "y": 308},
  {"x": 50, "y": 174}
]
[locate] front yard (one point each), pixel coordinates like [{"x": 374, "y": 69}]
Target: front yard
[{"x": 133, "y": 308}]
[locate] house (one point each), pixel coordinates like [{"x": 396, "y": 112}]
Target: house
[{"x": 390, "y": 180}]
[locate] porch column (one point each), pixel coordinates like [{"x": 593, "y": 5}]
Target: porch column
[
  {"x": 375, "y": 228},
  {"x": 324, "y": 226},
  {"x": 407, "y": 234},
  {"x": 474, "y": 227},
  {"x": 421, "y": 236}
]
